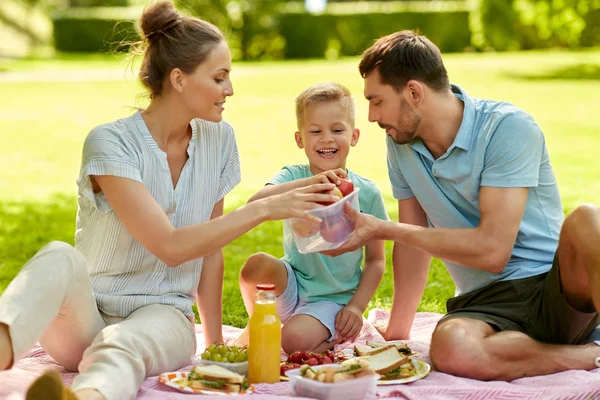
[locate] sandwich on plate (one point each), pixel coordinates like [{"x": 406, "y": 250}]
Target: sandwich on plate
[
  {"x": 400, "y": 345},
  {"x": 391, "y": 364},
  {"x": 216, "y": 379},
  {"x": 364, "y": 350},
  {"x": 350, "y": 369}
]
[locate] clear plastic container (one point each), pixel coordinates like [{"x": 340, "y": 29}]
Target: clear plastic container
[
  {"x": 239, "y": 367},
  {"x": 335, "y": 227},
  {"x": 352, "y": 389}
]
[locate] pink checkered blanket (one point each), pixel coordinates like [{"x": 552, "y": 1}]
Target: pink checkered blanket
[{"x": 573, "y": 385}]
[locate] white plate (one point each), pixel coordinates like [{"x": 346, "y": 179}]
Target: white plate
[
  {"x": 171, "y": 379},
  {"x": 422, "y": 368}
]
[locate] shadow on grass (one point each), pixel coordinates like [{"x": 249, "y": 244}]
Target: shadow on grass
[
  {"x": 572, "y": 72},
  {"x": 26, "y": 227}
]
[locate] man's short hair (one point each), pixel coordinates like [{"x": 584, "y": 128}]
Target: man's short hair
[
  {"x": 324, "y": 93},
  {"x": 403, "y": 56}
]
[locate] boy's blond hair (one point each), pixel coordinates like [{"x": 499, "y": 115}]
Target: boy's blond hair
[{"x": 324, "y": 93}]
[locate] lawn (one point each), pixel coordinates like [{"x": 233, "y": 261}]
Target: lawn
[{"x": 48, "y": 106}]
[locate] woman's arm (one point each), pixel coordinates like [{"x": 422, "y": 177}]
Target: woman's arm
[
  {"x": 210, "y": 290},
  {"x": 147, "y": 222}
]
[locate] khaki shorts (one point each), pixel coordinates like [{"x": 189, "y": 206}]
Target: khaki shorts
[{"x": 534, "y": 306}]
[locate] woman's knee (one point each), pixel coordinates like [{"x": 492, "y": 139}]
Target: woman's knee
[
  {"x": 64, "y": 255},
  {"x": 456, "y": 351}
]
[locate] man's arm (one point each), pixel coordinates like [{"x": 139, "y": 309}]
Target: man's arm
[
  {"x": 210, "y": 290},
  {"x": 487, "y": 247},
  {"x": 411, "y": 266}
]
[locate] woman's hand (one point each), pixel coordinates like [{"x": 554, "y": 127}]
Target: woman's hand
[
  {"x": 333, "y": 175},
  {"x": 295, "y": 203}
]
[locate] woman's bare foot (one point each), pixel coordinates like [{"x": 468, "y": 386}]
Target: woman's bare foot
[{"x": 6, "y": 353}]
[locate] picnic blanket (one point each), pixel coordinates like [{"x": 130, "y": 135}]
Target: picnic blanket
[{"x": 572, "y": 385}]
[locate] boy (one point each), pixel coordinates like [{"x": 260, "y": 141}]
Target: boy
[{"x": 320, "y": 299}]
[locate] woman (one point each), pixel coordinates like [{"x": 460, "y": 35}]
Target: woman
[{"x": 117, "y": 307}]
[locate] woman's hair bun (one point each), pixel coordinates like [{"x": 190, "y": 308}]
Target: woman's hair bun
[{"x": 159, "y": 17}]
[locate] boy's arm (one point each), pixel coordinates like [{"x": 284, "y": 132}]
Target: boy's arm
[
  {"x": 350, "y": 318},
  {"x": 210, "y": 290},
  {"x": 324, "y": 177}
]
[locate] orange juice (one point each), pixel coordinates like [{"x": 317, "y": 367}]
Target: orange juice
[{"x": 265, "y": 338}]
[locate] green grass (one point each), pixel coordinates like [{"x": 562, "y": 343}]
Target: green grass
[{"x": 44, "y": 122}]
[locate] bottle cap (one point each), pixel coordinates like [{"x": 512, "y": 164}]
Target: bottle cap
[{"x": 265, "y": 286}]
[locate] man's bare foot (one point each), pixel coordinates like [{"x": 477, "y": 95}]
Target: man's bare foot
[
  {"x": 6, "y": 353},
  {"x": 243, "y": 339}
]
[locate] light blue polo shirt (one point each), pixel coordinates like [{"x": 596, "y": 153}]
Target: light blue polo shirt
[
  {"x": 329, "y": 278},
  {"x": 497, "y": 145}
]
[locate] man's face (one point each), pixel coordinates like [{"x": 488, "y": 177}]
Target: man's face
[{"x": 390, "y": 109}]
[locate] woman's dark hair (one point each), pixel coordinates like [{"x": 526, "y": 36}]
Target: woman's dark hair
[
  {"x": 403, "y": 56},
  {"x": 171, "y": 40}
]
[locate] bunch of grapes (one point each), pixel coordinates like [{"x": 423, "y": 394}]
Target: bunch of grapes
[{"x": 225, "y": 354}]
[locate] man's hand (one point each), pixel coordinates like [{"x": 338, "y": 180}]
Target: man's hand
[
  {"x": 365, "y": 228},
  {"x": 348, "y": 323},
  {"x": 331, "y": 176}
]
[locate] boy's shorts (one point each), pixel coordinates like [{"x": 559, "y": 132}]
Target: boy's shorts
[
  {"x": 289, "y": 304},
  {"x": 534, "y": 306}
]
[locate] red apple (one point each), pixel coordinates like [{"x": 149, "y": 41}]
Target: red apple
[
  {"x": 336, "y": 228},
  {"x": 304, "y": 228},
  {"x": 336, "y": 192},
  {"x": 346, "y": 186}
]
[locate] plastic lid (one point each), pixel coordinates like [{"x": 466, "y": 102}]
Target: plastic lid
[{"x": 265, "y": 286}]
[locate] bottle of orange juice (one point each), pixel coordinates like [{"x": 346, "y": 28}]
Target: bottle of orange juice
[{"x": 265, "y": 338}]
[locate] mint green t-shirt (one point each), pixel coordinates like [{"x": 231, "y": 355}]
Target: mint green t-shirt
[{"x": 328, "y": 278}]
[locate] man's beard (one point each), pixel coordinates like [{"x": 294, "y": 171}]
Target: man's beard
[{"x": 402, "y": 136}]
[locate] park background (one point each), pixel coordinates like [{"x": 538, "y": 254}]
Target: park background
[{"x": 64, "y": 70}]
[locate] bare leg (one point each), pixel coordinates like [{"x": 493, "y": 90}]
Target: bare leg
[
  {"x": 305, "y": 333},
  {"x": 259, "y": 268},
  {"x": 6, "y": 353},
  {"x": 579, "y": 258},
  {"x": 471, "y": 348}
]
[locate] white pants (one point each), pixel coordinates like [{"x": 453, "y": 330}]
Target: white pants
[{"x": 51, "y": 300}]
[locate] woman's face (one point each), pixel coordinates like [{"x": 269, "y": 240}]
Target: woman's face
[{"x": 205, "y": 90}]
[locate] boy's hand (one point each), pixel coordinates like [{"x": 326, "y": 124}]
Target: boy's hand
[
  {"x": 333, "y": 175},
  {"x": 348, "y": 322}
]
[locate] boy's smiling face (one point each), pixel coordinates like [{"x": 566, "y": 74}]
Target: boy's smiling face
[{"x": 326, "y": 135}]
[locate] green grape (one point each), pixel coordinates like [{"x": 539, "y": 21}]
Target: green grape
[
  {"x": 206, "y": 355},
  {"x": 239, "y": 357},
  {"x": 231, "y": 356},
  {"x": 217, "y": 357},
  {"x": 212, "y": 348},
  {"x": 235, "y": 349},
  {"x": 223, "y": 350}
]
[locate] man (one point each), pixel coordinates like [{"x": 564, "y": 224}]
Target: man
[{"x": 475, "y": 188}]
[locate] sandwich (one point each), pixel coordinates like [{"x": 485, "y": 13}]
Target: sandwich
[
  {"x": 400, "y": 345},
  {"x": 363, "y": 350},
  {"x": 217, "y": 379},
  {"x": 350, "y": 369},
  {"x": 391, "y": 364}
]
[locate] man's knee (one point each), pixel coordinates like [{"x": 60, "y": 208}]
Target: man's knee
[
  {"x": 584, "y": 217},
  {"x": 293, "y": 340},
  {"x": 454, "y": 350}
]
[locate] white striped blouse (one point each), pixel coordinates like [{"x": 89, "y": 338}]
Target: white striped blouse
[{"x": 125, "y": 276}]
